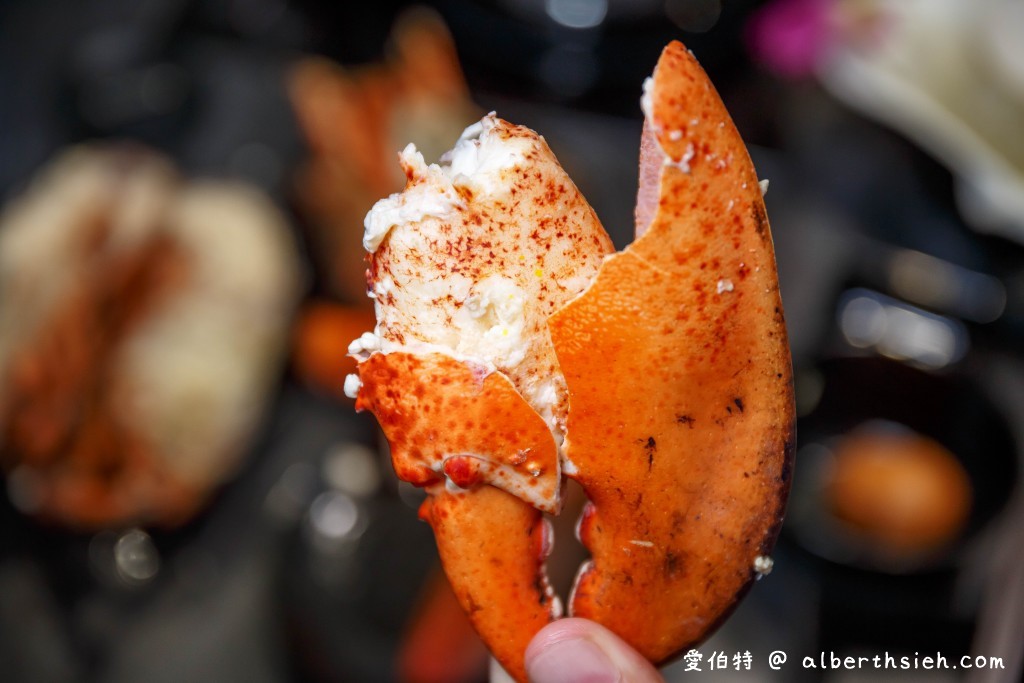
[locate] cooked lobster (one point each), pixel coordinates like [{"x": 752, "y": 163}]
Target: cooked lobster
[{"x": 513, "y": 349}]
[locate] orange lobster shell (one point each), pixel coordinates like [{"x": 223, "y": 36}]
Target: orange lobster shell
[{"x": 680, "y": 424}]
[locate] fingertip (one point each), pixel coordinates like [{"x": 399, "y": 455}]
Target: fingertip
[
  {"x": 577, "y": 650},
  {"x": 557, "y": 631},
  {"x": 568, "y": 655}
]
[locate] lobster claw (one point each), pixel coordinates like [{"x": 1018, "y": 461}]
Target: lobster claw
[
  {"x": 673, "y": 405},
  {"x": 688, "y": 481},
  {"x": 446, "y": 418},
  {"x": 434, "y": 410},
  {"x": 493, "y": 547}
]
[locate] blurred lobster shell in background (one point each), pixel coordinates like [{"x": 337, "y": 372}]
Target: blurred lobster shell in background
[{"x": 143, "y": 322}]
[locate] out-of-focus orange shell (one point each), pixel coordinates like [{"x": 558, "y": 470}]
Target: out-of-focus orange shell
[{"x": 323, "y": 327}]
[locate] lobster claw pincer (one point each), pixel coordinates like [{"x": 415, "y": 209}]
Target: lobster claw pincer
[
  {"x": 658, "y": 378},
  {"x": 434, "y": 410}
]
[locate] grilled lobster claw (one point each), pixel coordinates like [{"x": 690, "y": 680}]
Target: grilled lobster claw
[{"x": 512, "y": 349}]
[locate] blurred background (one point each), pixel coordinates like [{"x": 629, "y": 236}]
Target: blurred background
[{"x": 188, "y": 495}]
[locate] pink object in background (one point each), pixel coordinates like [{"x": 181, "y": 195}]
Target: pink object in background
[{"x": 789, "y": 36}]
